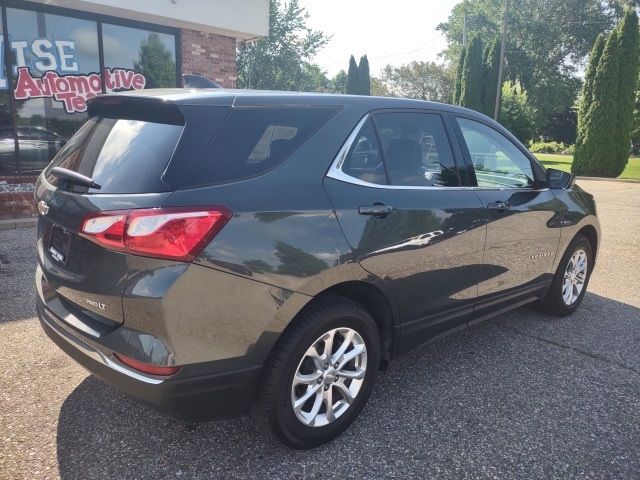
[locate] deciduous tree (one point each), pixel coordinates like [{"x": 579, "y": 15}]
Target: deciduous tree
[
  {"x": 284, "y": 59},
  {"x": 420, "y": 80}
]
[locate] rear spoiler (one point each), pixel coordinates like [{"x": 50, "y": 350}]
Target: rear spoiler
[{"x": 130, "y": 107}]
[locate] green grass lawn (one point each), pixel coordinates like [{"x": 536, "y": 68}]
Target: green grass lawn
[{"x": 563, "y": 162}]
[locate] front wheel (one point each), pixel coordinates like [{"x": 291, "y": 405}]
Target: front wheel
[
  {"x": 570, "y": 282},
  {"x": 321, "y": 373}
]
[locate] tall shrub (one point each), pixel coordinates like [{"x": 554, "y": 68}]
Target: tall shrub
[
  {"x": 457, "y": 87},
  {"x": 593, "y": 154},
  {"x": 364, "y": 77},
  {"x": 491, "y": 71},
  {"x": 352, "y": 77},
  {"x": 587, "y": 88},
  {"x": 629, "y": 38},
  {"x": 472, "y": 76}
]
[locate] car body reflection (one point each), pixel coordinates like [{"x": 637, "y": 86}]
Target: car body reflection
[{"x": 37, "y": 147}]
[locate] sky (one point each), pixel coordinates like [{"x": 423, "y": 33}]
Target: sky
[{"x": 393, "y": 32}]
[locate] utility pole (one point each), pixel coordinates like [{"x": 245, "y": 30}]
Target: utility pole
[{"x": 501, "y": 69}]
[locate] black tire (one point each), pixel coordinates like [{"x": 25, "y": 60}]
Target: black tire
[
  {"x": 553, "y": 302},
  {"x": 274, "y": 405}
]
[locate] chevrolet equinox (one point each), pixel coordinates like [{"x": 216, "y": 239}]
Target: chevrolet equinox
[{"x": 219, "y": 252}]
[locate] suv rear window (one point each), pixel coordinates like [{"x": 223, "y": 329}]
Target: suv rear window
[
  {"x": 120, "y": 155},
  {"x": 253, "y": 140}
]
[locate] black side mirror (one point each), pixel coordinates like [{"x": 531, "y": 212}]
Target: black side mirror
[{"x": 559, "y": 180}]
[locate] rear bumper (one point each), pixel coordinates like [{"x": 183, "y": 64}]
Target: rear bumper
[{"x": 201, "y": 396}]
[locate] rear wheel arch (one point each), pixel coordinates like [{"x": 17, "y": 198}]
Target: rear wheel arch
[{"x": 372, "y": 298}]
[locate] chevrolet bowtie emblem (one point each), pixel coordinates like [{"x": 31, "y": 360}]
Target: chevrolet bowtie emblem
[{"x": 43, "y": 208}]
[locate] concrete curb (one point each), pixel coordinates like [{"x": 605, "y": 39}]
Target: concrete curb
[
  {"x": 602, "y": 179},
  {"x": 18, "y": 223}
]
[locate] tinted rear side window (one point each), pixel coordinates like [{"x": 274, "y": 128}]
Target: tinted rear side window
[
  {"x": 120, "y": 155},
  {"x": 254, "y": 140}
]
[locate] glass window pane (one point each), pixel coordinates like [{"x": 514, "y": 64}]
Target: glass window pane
[
  {"x": 151, "y": 54},
  {"x": 364, "y": 161},
  {"x": 55, "y": 69},
  {"x": 120, "y": 155},
  {"x": 252, "y": 141},
  {"x": 416, "y": 150},
  {"x": 8, "y": 163},
  {"x": 497, "y": 161}
]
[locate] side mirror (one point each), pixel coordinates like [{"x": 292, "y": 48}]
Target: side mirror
[{"x": 559, "y": 180}]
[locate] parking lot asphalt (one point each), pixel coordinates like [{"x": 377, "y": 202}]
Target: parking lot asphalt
[{"x": 523, "y": 395}]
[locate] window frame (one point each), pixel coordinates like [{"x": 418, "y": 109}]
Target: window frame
[
  {"x": 538, "y": 171},
  {"x": 335, "y": 170}
]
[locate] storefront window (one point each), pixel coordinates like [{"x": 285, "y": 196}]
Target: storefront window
[
  {"x": 7, "y": 143},
  {"x": 52, "y": 58},
  {"x": 151, "y": 54},
  {"x": 55, "y": 68}
]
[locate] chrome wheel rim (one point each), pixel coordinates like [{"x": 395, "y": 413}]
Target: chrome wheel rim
[
  {"x": 574, "y": 277},
  {"x": 329, "y": 377}
]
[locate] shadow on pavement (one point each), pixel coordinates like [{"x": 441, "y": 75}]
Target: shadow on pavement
[{"x": 519, "y": 395}]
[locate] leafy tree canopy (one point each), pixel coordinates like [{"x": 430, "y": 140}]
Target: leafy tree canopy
[
  {"x": 547, "y": 42},
  {"x": 421, "y": 80},
  {"x": 283, "y": 60},
  {"x": 515, "y": 112}
]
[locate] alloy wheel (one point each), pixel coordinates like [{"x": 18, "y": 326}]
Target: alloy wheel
[
  {"x": 329, "y": 377},
  {"x": 575, "y": 276}
]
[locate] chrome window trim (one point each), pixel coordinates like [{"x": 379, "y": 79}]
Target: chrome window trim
[{"x": 335, "y": 171}]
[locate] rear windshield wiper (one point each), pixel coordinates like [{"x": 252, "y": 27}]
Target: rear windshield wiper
[{"x": 74, "y": 178}]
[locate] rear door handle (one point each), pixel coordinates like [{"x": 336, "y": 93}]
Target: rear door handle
[
  {"x": 499, "y": 206},
  {"x": 378, "y": 210}
]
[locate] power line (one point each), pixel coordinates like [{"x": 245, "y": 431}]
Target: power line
[{"x": 417, "y": 49}]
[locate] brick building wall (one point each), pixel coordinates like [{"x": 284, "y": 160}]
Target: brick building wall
[
  {"x": 17, "y": 204},
  {"x": 210, "y": 55}
]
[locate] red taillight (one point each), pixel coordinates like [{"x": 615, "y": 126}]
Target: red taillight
[
  {"x": 147, "y": 367},
  {"x": 173, "y": 233}
]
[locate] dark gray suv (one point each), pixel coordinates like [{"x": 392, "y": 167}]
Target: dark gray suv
[{"x": 217, "y": 252}]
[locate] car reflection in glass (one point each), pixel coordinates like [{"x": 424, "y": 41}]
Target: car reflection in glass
[{"x": 37, "y": 147}]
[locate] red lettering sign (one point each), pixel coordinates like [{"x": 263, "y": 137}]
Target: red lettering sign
[{"x": 73, "y": 91}]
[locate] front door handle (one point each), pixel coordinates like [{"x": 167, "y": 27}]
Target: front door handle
[
  {"x": 378, "y": 210},
  {"x": 499, "y": 206}
]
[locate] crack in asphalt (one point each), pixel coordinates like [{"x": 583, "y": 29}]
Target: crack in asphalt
[{"x": 580, "y": 351}]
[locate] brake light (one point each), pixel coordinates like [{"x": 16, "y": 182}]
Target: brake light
[
  {"x": 147, "y": 367},
  {"x": 172, "y": 233}
]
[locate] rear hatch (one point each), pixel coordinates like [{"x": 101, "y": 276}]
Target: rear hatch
[{"x": 125, "y": 149}]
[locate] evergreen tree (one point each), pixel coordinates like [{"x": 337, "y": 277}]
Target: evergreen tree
[
  {"x": 156, "y": 63},
  {"x": 352, "y": 77},
  {"x": 472, "y": 76},
  {"x": 491, "y": 71},
  {"x": 586, "y": 96},
  {"x": 592, "y": 155},
  {"x": 457, "y": 88},
  {"x": 627, "y": 81},
  {"x": 364, "y": 77}
]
